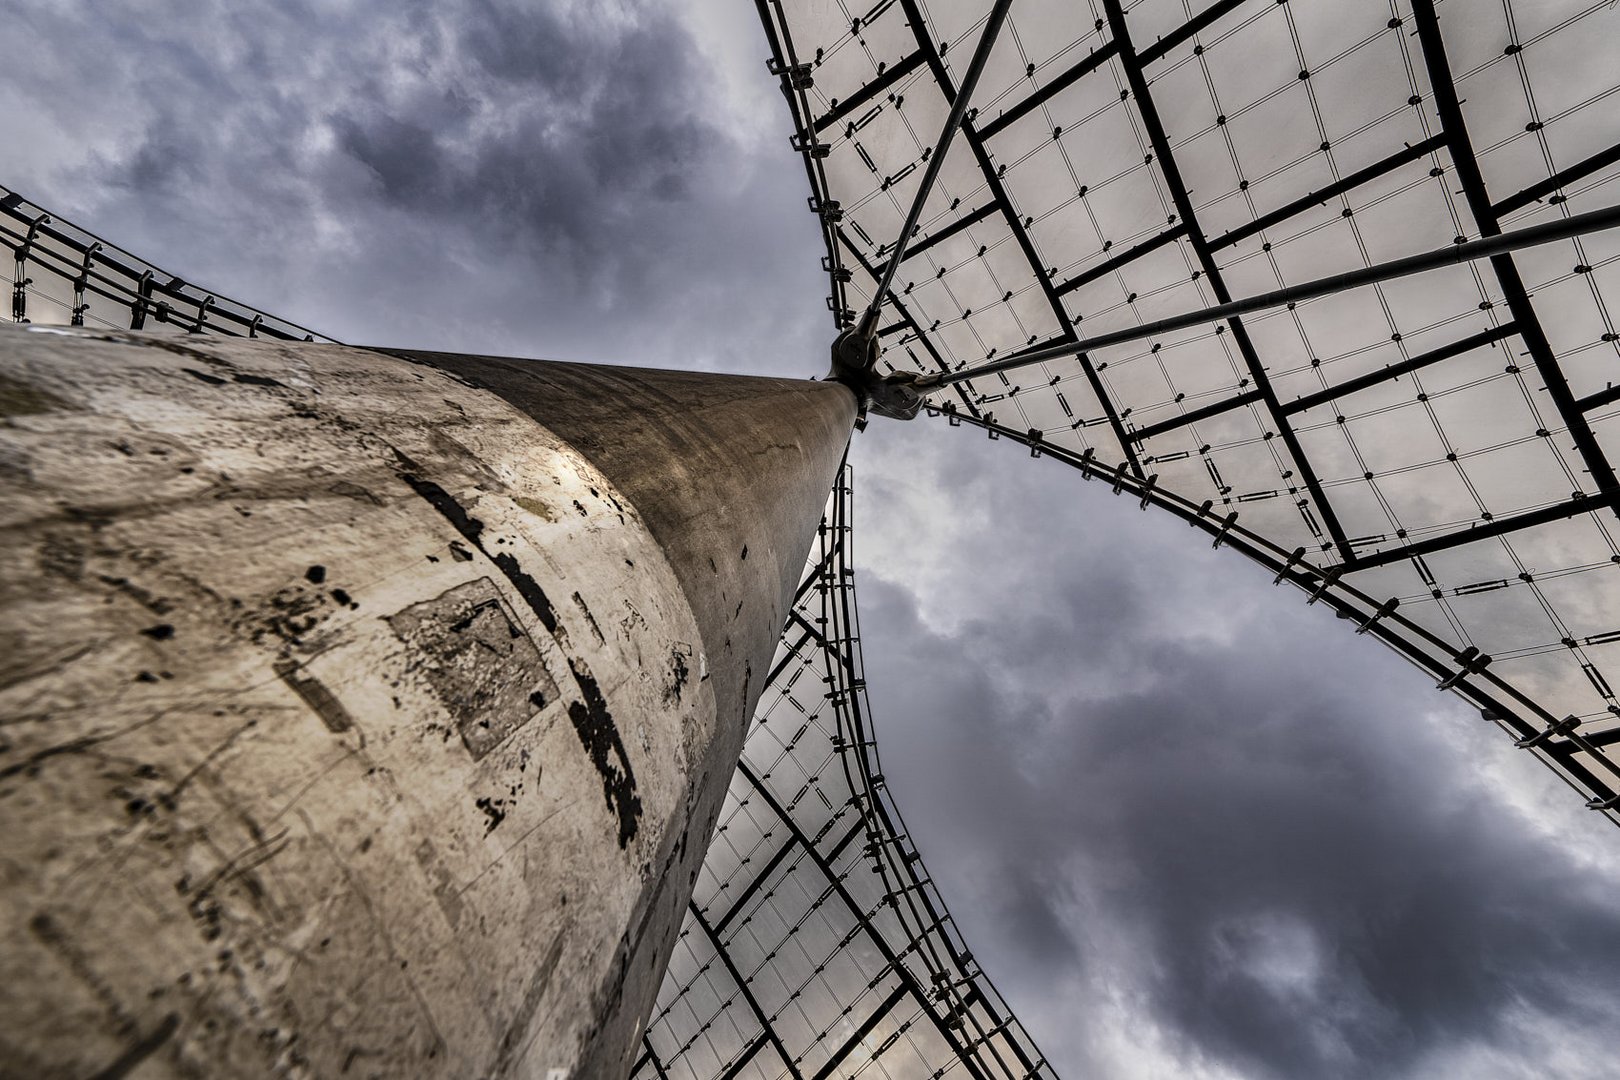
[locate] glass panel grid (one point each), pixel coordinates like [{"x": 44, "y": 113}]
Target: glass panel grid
[
  {"x": 1450, "y": 433},
  {"x": 813, "y": 894}
]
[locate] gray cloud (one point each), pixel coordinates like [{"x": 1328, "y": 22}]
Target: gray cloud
[
  {"x": 1188, "y": 824},
  {"x": 566, "y": 182},
  {"x": 1274, "y": 837}
]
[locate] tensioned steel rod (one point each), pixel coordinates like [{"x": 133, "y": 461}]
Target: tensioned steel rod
[
  {"x": 1562, "y": 229},
  {"x": 958, "y": 109}
]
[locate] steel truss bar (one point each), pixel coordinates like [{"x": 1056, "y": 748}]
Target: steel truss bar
[
  {"x": 759, "y": 879},
  {"x": 1317, "y": 198},
  {"x": 1507, "y": 272},
  {"x": 748, "y": 996},
  {"x": 1193, "y": 416},
  {"x": 648, "y": 1054},
  {"x": 970, "y": 80},
  {"x": 1557, "y": 180},
  {"x": 853, "y": 1043},
  {"x": 1108, "y": 266},
  {"x": 1484, "y": 247},
  {"x": 890, "y": 957},
  {"x": 885, "y": 828},
  {"x": 877, "y": 86},
  {"x": 805, "y": 625},
  {"x": 781, "y": 665},
  {"x": 1186, "y": 30},
  {"x": 1171, "y": 172},
  {"x": 1395, "y": 371},
  {"x": 998, "y": 191},
  {"x": 1496, "y": 699},
  {"x": 789, "y": 846},
  {"x": 1094, "y": 59},
  {"x": 1603, "y": 397},
  {"x": 1579, "y": 504},
  {"x": 833, "y": 552},
  {"x": 948, "y": 231},
  {"x": 918, "y": 953}
]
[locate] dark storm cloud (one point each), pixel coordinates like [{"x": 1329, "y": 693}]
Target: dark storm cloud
[
  {"x": 1188, "y": 824},
  {"x": 564, "y": 181},
  {"x": 550, "y": 132},
  {"x": 1303, "y": 873}
]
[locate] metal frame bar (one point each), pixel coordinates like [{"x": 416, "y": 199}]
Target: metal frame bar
[
  {"x": 891, "y": 75},
  {"x": 1405, "y": 367},
  {"x": 1071, "y": 75},
  {"x": 649, "y": 1055},
  {"x": 748, "y": 996},
  {"x": 953, "y": 121},
  {"x": 753, "y": 886},
  {"x": 781, "y": 665},
  {"x": 786, "y": 61},
  {"x": 998, "y": 191},
  {"x": 1157, "y": 50},
  {"x": 908, "y": 319},
  {"x": 842, "y": 1053},
  {"x": 1569, "y": 508},
  {"x": 1415, "y": 152},
  {"x": 957, "y": 226},
  {"x": 1340, "y": 390},
  {"x": 905, "y": 924},
  {"x": 99, "y": 276},
  {"x": 1597, "y": 400},
  {"x": 1108, "y": 266},
  {"x": 1453, "y": 254},
  {"x": 1193, "y": 416},
  {"x": 1507, "y": 272},
  {"x": 1583, "y": 168},
  {"x": 909, "y": 891},
  {"x": 1182, "y": 199},
  {"x": 836, "y": 883}
]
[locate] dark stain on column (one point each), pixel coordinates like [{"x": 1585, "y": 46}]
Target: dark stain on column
[
  {"x": 143, "y": 1049},
  {"x": 592, "y": 720},
  {"x": 315, "y": 694},
  {"x": 473, "y": 529},
  {"x": 594, "y": 725}
]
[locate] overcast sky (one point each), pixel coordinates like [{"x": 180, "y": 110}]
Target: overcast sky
[{"x": 1188, "y": 824}]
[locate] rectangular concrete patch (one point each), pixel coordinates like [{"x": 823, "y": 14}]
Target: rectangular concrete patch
[{"x": 484, "y": 669}]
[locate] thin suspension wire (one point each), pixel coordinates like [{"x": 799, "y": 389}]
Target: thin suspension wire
[
  {"x": 987, "y": 40},
  {"x": 1561, "y": 229}
]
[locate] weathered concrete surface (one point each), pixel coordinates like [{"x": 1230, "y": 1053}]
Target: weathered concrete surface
[
  {"x": 731, "y": 475},
  {"x": 351, "y": 721}
]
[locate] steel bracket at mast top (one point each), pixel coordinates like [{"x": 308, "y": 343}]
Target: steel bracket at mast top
[{"x": 854, "y": 363}]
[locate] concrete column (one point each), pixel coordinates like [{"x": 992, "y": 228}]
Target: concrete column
[{"x": 366, "y": 714}]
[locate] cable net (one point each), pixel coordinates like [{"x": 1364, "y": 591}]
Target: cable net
[
  {"x": 64, "y": 276},
  {"x": 1434, "y": 456},
  {"x": 816, "y": 944}
]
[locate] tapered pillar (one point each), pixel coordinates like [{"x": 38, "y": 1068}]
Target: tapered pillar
[{"x": 369, "y": 714}]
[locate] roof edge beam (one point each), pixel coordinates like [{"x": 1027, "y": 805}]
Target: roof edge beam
[
  {"x": 1449, "y": 107},
  {"x": 1186, "y": 30},
  {"x": 1583, "y": 168},
  {"x": 1451, "y": 254},
  {"x": 888, "y": 78},
  {"x": 1317, "y": 198},
  {"x": 1060, "y": 82}
]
